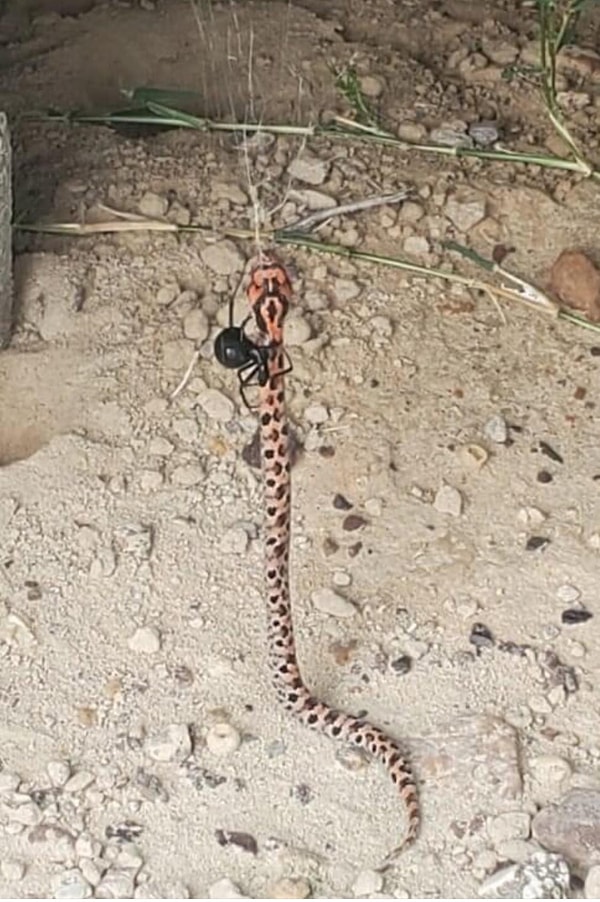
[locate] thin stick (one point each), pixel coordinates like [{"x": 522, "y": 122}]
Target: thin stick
[
  {"x": 306, "y": 224},
  {"x": 186, "y": 377}
]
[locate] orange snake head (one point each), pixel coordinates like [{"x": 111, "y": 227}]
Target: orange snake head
[{"x": 269, "y": 294}]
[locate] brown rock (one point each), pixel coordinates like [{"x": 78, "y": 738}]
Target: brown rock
[
  {"x": 572, "y": 828},
  {"x": 575, "y": 280}
]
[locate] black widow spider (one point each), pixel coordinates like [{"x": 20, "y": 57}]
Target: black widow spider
[{"x": 236, "y": 351}]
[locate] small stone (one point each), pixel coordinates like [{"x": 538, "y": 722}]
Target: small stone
[
  {"x": 13, "y": 871},
  {"x": 149, "y": 481},
  {"x": 28, "y": 814},
  {"x": 448, "y": 500},
  {"x": 145, "y": 641},
  {"x": 575, "y": 280},
  {"x": 172, "y": 744},
  {"x": 225, "y": 889},
  {"x": 592, "y": 883},
  {"x": 222, "y": 739},
  {"x": 352, "y": 759},
  {"x": 465, "y": 208},
  {"x": 116, "y": 884},
  {"x": 196, "y": 326},
  {"x": 509, "y": 825},
  {"x": 447, "y": 136},
  {"x": 79, "y": 781},
  {"x": 187, "y": 475},
  {"x": 346, "y": 289},
  {"x": 90, "y": 871},
  {"x": 341, "y": 579},
  {"x": 297, "y": 331},
  {"x": 531, "y": 516},
  {"x": 316, "y": 414},
  {"x": 502, "y": 54},
  {"x": 216, "y": 405},
  {"x": 179, "y": 214},
  {"x": 416, "y": 245},
  {"x": 371, "y": 86},
  {"x": 412, "y": 132},
  {"x": 72, "y": 884},
  {"x": 568, "y": 594},
  {"x": 543, "y": 876},
  {"x": 290, "y": 888},
  {"x": 153, "y": 205},
  {"x": 314, "y": 200},
  {"x": 177, "y": 354},
  {"x": 235, "y": 541},
  {"x": 411, "y": 211},
  {"x": 496, "y": 429},
  {"x": 223, "y": 258},
  {"x": 549, "y": 776},
  {"x": 329, "y": 602},
  {"x": 382, "y": 326},
  {"x": 367, "y": 882},
  {"x": 484, "y": 133},
  {"x": 86, "y": 847},
  {"x": 166, "y": 295},
  {"x": 572, "y": 827},
  {"x": 9, "y": 782},
  {"x": 374, "y": 507},
  {"x": 160, "y": 446},
  {"x": 309, "y": 169}
]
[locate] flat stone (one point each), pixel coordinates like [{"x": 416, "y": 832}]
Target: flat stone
[
  {"x": 145, "y": 641},
  {"x": 79, "y": 781},
  {"x": 187, "y": 475},
  {"x": 543, "y": 876},
  {"x": 549, "y": 775},
  {"x": 59, "y": 772},
  {"x": 416, "y": 245},
  {"x": 72, "y": 884},
  {"x": 196, "y": 326},
  {"x": 496, "y": 429},
  {"x": 575, "y": 280},
  {"x": 508, "y": 825},
  {"x": 225, "y": 889},
  {"x": 592, "y": 883},
  {"x": 12, "y": 871},
  {"x": 465, "y": 208},
  {"x": 448, "y": 500},
  {"x": 289, "y": 888},
  {"x": 572, "y": 827},
  {"x": 172, "y": 744},
  {"x": 309, "y": 169},
  {"x": 153, "y": 205},
  {"x": 329, "y": 602},
  {"x": 216, "y": 405},
  {"x": 223, "y": 258},
  {"x": 367, "y": 882}
]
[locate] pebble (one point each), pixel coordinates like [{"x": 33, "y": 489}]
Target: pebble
[
  {"x": 153, "y": 205},
  {"x": 289, "y": 888},
  {"x": 314, "y": 200},
  {"x": 447, "y": 136},
  {"x": 496, "y": 429},
  {"x": 216, "y": 405},
  {"x": 223, "y": 258},
  {"x": 12, "y": 871},
  {"x": 222, "y": 739},
  {"x": 316, "y": 414},
  {"x": 329, "y": 602},
  {"x": 28, "y": 814},
  {"x": 166, "y": 295},
  {"x": 448, "y": 500},
  {"x": 72, "y": 884},
  {"x": 575, "y": 280},
  {"x": 160, "y": 446},
  {"x": 508, "y": 825},
  {"x": 371, "y": 86},
  {"x": 502, "y": 54},
  {"x": 235, "y": 541},
  {"x": 86, "y": 847},
  {"x": 416, "y": 245},
  {"x": 411, "y": 211},
  {"x": 465, "y": 208},
  {"x": 172, "y": 744},
  {"x": 79, "y": 781},
  {"x": 592, "y": 883},
  {"x": 187, "y": 475},
  {"x": 568, "y": 594},
  {"x": 346, "y": 289},
  {"x": 382, "y": 326},
  {"x": 544, "y": 876},
  {"x": 297, "y": 331},
  {"x": 367, "y": 882},
  {"x": 225, "y": 889},
  {"x": 572, "y": 827},
  {"x": 413, "y": 132},
  {"x": 308, "y": 169},
  {"x": 196, "y": 325},
  {"x": 90, "y": 871},
  {"x": 149, "y": 481},
  {"x": 116, "y": 884},
  {"x": 549, "y": 774},
  {"x": 341, "y": 579},
  {"x": 484, "y": 133},
  {"x": 145, "y": 640},
  {"x": 176, "y": 354}
]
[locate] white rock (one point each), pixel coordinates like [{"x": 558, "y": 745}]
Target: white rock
[
  {"x": 28, "y": 814},
  {"x": 235, "y": 541},
  {"x": 316, "y": 414},
  {"x": 549, "y": 776},
  {"x": 72, "y": 885},
  {"x": 177, "y": 354},
  {"x": 341, "y": 578},
  {"x": 346, "y": 289},
  {"x": 90, "y": 871},
  {"x": 59, "y": 772},
  {"x": 308, "y": 169},
  {"x": 153, "y": 205},
  {"x": 79, "y": 781},
  {"x": 86, "y": 847},
  {"x": 592, "y": 883},
  {"x": 367, "y": 882},
  {"x": 223, "y": 258},
  {"x": 568, "y": 594},
  {"x": 289, "y": 888},
  {"x": 9, "y": 782},
  {"x": 297, "y": 331},
  {"x": 465, "y": 208},
  {"x": 508, "y": 825},
  {"x": 314, "y": 200},
  {"x": 496, "y": 429},
  {"x": 196, "y": 325},
  {"x": 187, "y": 475},
  {"x": 329, "y": 602},
  {"x": 145, "y": 641},
  {"x": 497, "y": 884},
  {"x": 115, "y": 884},
  {"x": 172, "y": 744},
  {"x": 448, "y": 500},
  {"x": 371, "y": 86},
  {"x": 416, "y": 245},
  {"x": 150, "y": 480},
  {"x": 225, "y": 889},
  {"x": 160, "y": 446},
  {"x": 222, "y": 739},
  {"x": 13, "y": 871},
  {"x": 166, "y": 295},
  {"x": 382, "y": 326},
  {"x": 216, "y": 405}
]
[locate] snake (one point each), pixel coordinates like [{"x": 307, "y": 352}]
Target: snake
[{"x": 270, "y": 295}]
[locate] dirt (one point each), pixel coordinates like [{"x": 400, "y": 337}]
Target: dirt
[{"x": 123, "y": 509}]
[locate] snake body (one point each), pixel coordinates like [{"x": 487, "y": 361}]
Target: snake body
[{"x": 270, "y": 294}]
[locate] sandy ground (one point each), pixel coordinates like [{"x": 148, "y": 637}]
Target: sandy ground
[{"x": 131, "y": 613}]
